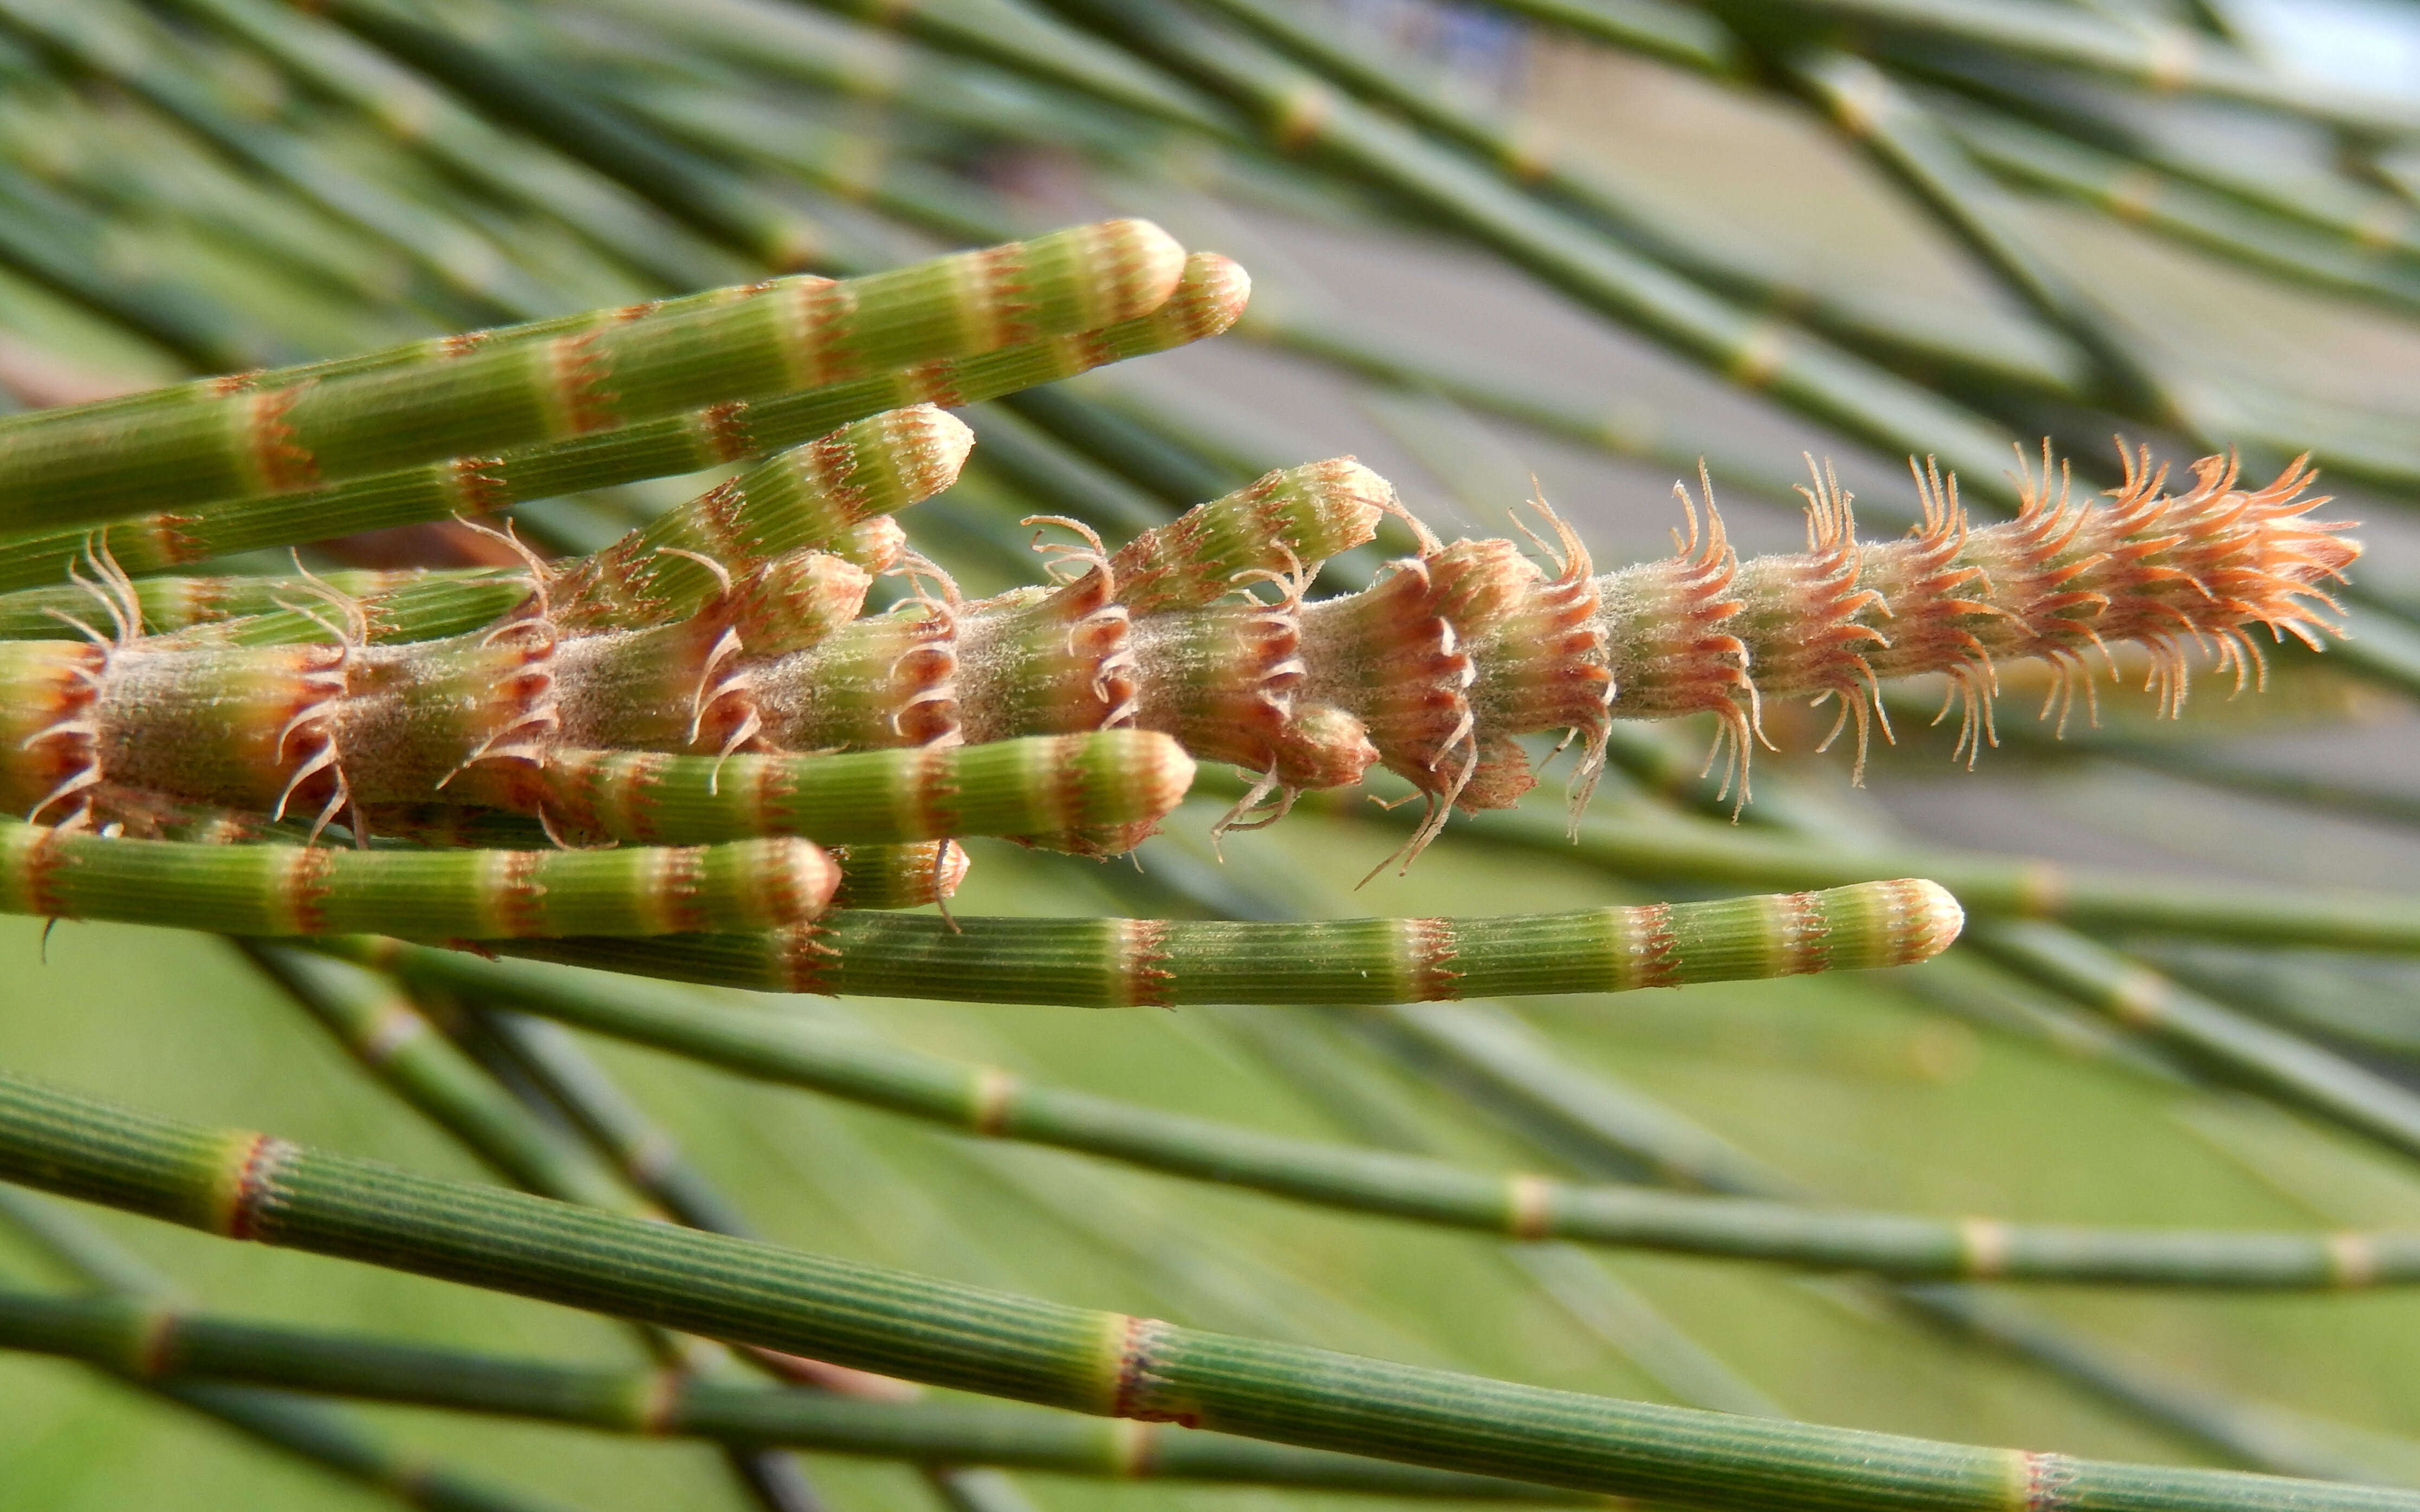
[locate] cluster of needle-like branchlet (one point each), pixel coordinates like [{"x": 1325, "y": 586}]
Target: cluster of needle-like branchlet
[{"x": 1199, "y": 630}]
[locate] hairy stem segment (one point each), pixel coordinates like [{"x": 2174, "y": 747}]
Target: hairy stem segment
[
  {"x": 469, "y": 894},
  {"x": 155, "y": 1344},
  {"x": 230, "y": 440},
  {"x": 1208, "y": 297},
  {"x": 997, "y": 1104},
  {"x": 1113, "y": 962},
  {"x": 254, "y": 1186}
]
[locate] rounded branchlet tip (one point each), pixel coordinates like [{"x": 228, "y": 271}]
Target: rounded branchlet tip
[
  {"x": 873, "y": 544},
  {"x": 949, "y": 869},
  {"x": 1146, "y": 263},
  {"x": 1357, "y": 497},
  {"x": 929, "y": 445},
  {"x": 1213, "y": 293},
  {"x": 899, "y": 876},
  {"x": 793, "y": 880},
  {"x": 1924, "y": 919},
  {"x": 1153, "y": 775}
]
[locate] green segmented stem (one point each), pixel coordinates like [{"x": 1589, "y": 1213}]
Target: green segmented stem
[
  {"x": 1906, "y": 141},
  {"x": 312, "y": 1432},
  {"x": 830, "y": 493},
  {"x": 805, "y": 498},
  {"x": 439, "y": 605},
  {"x": 66, "y": 467},
  {"x": 174, "y": 603},
  {"x": 2162, "y": 56},
  {"x": 985, "y": 1100},
  {"x": 1208, "y": 297},
  {"x": 388, "y": 1034},
  {"x": 1523, "y": 152},
  {"x": 2341, "y": 256},
  {"x": 469, "y": 894},
  {"x": 253, "y": 1186},
  {"x": 461, "y": 141},
  {"x": 426, "y": 352},
  {"x": 1035, "y": 785},
  {"x": 384, "y": 1030},
  {"x": 2309, "y": 1075},
  {"x": 872, "y": 876},
  {"x": 898, "y": 876},
  {"x": 1112, "y": 962},
  {"x": 1662, "y": 848},
  {"x": 154, "y": 1344}
]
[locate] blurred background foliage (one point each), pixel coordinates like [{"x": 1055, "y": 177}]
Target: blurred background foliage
[{"x": 1571, "y": 246}]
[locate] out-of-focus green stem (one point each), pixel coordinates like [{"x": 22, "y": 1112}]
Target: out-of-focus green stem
[
  {"x": 182, "y": 1352},
  {"x": 249, "y": 1185},
  {"x": 310, "y": 1431}
]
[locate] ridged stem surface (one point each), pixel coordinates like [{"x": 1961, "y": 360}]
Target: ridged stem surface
[
  {"x": 991, "y": 1102},
  {"x": 1115, "y": 963},
  {"x": 253, "y": 1186}
]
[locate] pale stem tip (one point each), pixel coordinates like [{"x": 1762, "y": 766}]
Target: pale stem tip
[{"x": 1932, "y": 916}]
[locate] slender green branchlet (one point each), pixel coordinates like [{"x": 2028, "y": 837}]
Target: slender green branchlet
[
  {"x": 1206, "y": 301},
  {"x": 232, "y": 439},
  {"x": 254, "y": 1186},
  {"x": 175, "y": 603},
  {"x": 313, "y": 1432},
  {"x": 381, "y": 1027},
  {"x": 994, "y": 1103},
  {"x": 1116, "y": 962},
  {"x": 1040, "y": 786},
  {"x": 152, "y": 1343},
  {"x": 469, "y": 894}
]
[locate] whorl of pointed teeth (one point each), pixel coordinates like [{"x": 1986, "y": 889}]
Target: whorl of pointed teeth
[
  {"x": 2065, "y": 579},
  {"x": 690, "y": 728}
]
